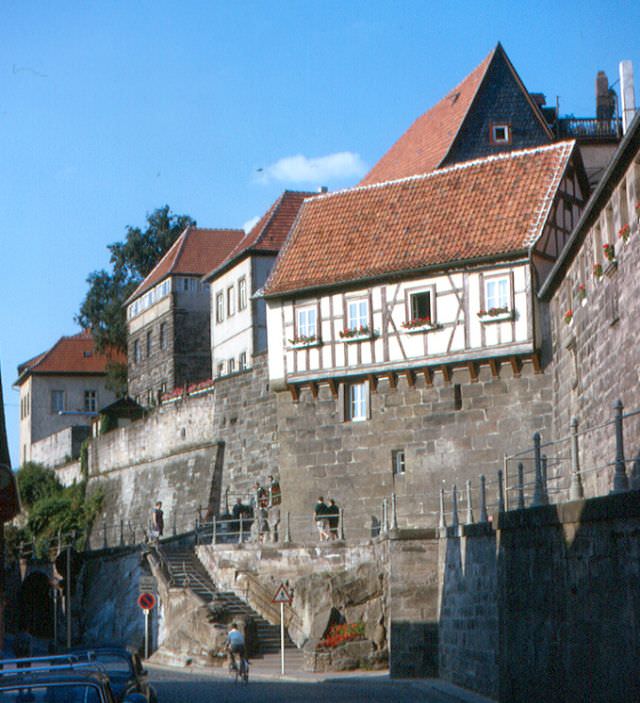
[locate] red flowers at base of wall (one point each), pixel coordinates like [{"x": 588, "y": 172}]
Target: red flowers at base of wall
[
  {"x": 339, "y": 634},
  {"x": 362, "y": 331}
]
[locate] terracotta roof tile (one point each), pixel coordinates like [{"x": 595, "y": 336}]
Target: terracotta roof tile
[
  {"x": 195, "y": 252},
  {"x": 425, "y": 144},
  {"x": 484, "y": 208},
  {"x": 269, "y": 233},
  {"x": 74, "y": 354}
]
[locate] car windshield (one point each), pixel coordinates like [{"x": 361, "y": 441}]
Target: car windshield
[
  {"x": 112, "y": 662},
  {"x": 52, "y": 693}
]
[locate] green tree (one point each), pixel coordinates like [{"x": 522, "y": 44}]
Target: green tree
[{"x": 131, "y": 261}]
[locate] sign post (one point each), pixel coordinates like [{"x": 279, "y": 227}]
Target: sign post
[
  {"x": 146, "y": 601},
  {"x": 282, "y": 596}
]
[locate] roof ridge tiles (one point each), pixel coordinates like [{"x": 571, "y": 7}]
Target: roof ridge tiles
[{"x": 502, "y": 156}]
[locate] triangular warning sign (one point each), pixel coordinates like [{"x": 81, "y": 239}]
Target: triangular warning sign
[{"x": 282, "y": 595}]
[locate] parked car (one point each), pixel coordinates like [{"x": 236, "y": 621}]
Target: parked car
[
  {"x": 58, "y": 683},
  {"x": 124, "y": 668}
]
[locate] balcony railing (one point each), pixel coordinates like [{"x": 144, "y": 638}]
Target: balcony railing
[{"x": 588, "y": 128}]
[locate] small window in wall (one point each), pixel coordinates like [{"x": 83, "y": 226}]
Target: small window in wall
[
  {"x": 150, "y": 396},
  {"x": 397, "y": 462},
  {"x": 497, "y": 293},
  {"x": 57, "y": 401},
  {"x": 358, "y": 314},
  {"x": 357, "y": 402},
  {"x": 149, "y": 343},
  {"x": 185, "y": 284},
  {"x": 91, "y": 401},
  {"x": 306, "y": 322},
  {"x": 420, "y": 306},
  {"x": 231, "y": 301},
  {"x": 220, "y": 370},
  {"x": 242, "y": 361},
  {"x": 457, "y": 396},
  {"x": 136, "y": 351},
  {"x": 220, "y": 307},
  {"x": 242, "y": 294},
  {"x": 231, "y": 365},
  {"x": 500, "y": 133},
  {"x": 163, "y": 336}
]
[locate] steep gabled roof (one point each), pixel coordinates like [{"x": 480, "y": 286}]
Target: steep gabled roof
[
  {"x": 268, "y": 234},
  {"x": 75, "y": 354},
  {"x": 195, "y": 252},
  {"x": 425, "y": 145},
  {"x": 483, "y": 209}
]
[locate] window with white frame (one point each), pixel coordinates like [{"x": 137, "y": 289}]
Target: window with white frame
[
  {"x": 220, "y": 307},
  {"x": 220, "y": 370},
  {"x": 57, "y": 401},
  {"x": 357, "y": 399},
  {"x": 242, "y": 294},
  {"x": 242, "y": 361},
  {"x": 231, "y": 365},
  {"x": 497, "y": 292},
  {"x": 358, "y": 314},
  {"x": 90, "y": 401},
  {"x": 397, "y": 462},
  {"x": 500, "y": 134},
  {"x": 420, "y": 306},
  {"x": 231, "y": 302},
  {"x": 306, "y": 322}
]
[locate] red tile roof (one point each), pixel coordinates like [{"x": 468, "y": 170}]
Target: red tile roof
[
  {"x": 485, "y": 208},
  {"x": 75, "y": 354},
  {"x": 269, "y": 233},
  {"x": 425, "y": 144},
  {"x": 195, "y": 252}
]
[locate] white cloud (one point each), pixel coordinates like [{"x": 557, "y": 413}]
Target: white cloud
[
  {"x": 250, "y": 224},
  {"x": 319, "y": 170}
]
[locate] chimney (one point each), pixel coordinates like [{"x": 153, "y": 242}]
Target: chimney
[
  {"x": 605, "y": 98},
  {"x": 323, "y": 189},
  {"x": 627, "y": 94}
]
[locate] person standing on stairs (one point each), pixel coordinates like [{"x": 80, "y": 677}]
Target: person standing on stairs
[{"x": 157, "y": 521}]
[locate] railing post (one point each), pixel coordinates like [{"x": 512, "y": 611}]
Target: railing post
[
  {"x": 505, "y": 475},
  {"x": 483, "y": 499},
  {"x": 121, "y": 532},
  {"x": 443, "y": 522},
  {"x": 545, "y": 480},
  {"x": 500, "y": 492},
  {"x": 455, "y": 522},
  {"x": 104, "y": 534},
  {"x": 341, "y": 529},
  {"x": 287, "y": 532},
  {"x": 576, "y": 491},
  {"x": 394, "y": 512},
  {"x": 385, "y": 516},
  {"x": 240, "y": 534},
  {"x": 538, "y": 493},
  {"x": 620, "y": 480},
  {"x": 197, "y": 529},
  {"x": 520, "y": 486},
  {"x": 469, "y": 508},
  {"x": 214, "y": 531},
  {"x": 175, "y": 526}
]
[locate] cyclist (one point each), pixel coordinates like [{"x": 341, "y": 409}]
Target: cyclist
[{"x": 235, "y": 645}]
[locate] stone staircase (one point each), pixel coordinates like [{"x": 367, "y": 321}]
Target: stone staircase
[{"x": 186, "y": 570}]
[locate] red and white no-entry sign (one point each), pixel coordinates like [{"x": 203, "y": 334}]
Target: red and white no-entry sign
[{"x": 146, "y": 601}]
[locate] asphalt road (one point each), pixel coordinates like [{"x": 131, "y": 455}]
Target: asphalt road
[{"x": 195, "y": 687}]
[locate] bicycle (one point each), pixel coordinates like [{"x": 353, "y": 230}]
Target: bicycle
[{"x": 239, "y": 672}]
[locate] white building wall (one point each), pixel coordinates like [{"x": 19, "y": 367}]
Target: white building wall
[{"x": 459, "y": 332}]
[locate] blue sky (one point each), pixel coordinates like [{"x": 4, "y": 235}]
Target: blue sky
[{"x": 111, "y": 109}]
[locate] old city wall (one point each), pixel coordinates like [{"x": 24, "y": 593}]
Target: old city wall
[
  {"x": 186, "y": 453},
  {"x": 545, "y": 603},
  {"x": 352, "y": 461}
]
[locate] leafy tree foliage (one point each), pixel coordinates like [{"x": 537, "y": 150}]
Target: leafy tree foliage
[
  {"x": 51, "y": 508},
  {"x": 132, "y": 260}
]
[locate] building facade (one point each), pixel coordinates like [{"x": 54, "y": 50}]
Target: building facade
[{"x": 168, "y": 316}]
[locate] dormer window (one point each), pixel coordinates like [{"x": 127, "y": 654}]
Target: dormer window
[{"x": 500, "y": 133}]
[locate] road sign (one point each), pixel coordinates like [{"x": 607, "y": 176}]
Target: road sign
[
  {"x": 9, "y": 501},
  {"x": 282, "y": 595},
  {"x": 146, "y": 584},
  {"x": 146, "y": 601}
]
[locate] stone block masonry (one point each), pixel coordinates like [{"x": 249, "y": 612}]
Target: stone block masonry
[{"x": 443, "y": 443}]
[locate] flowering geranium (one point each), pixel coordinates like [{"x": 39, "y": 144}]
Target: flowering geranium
[
  {"x": 201, "y": 385},
  {"x": 361, "y": 331},
  {"x": 339, "y": 634},
  {"x": 492, "y": 312},
  {"x": 582, "y": 291},
  {"x": 416, "y": 322},
  {"x": 568, "y": 316},
  {"x": 597, "y": 270},
  {"x": 624, "y": 232},
  {"x": 304, "y": 339},
  {"x": 609, "y": 252}
]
